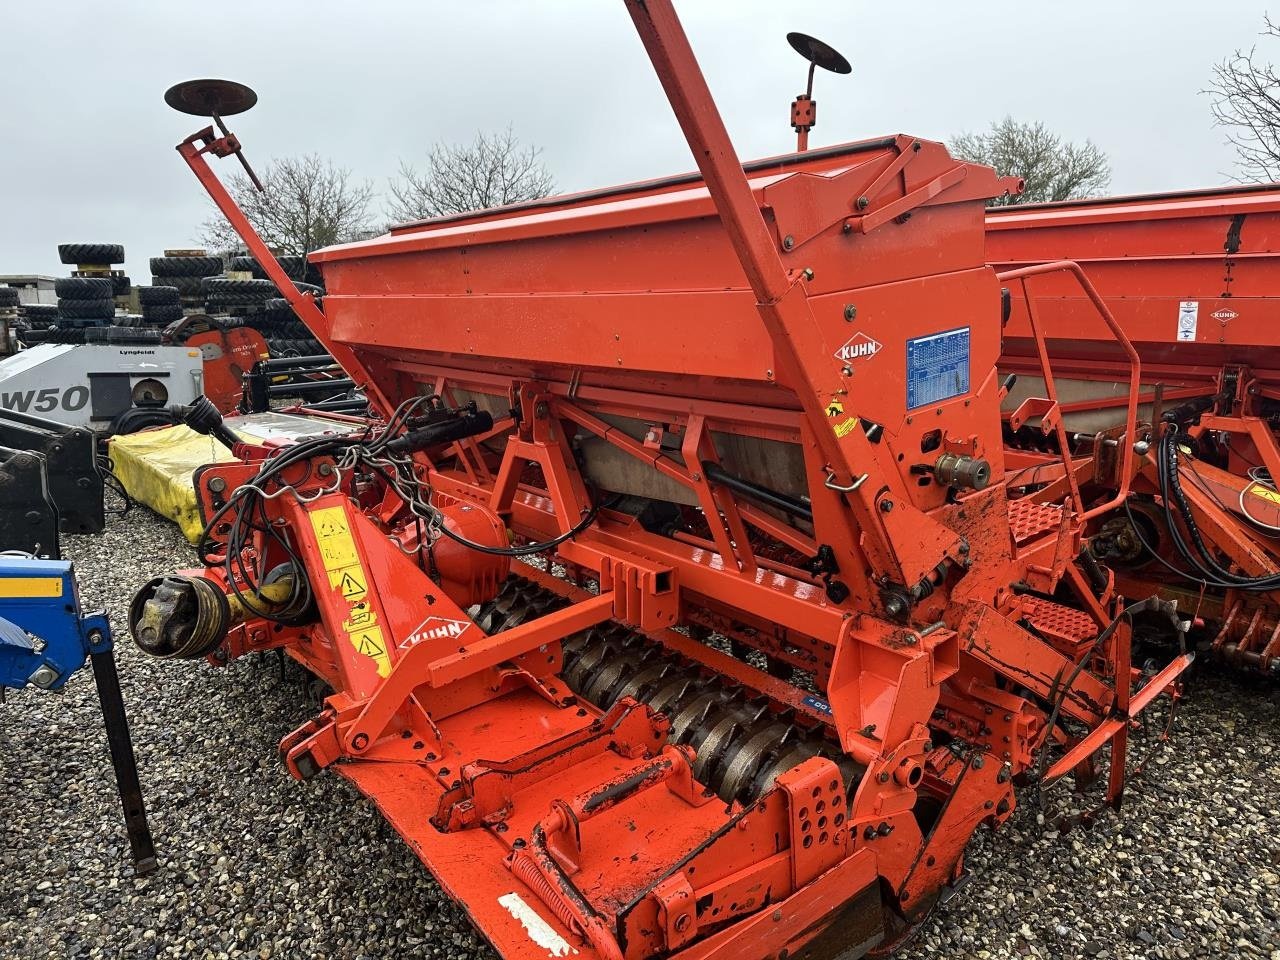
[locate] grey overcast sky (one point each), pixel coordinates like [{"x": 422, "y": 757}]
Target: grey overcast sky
[{"x": 86, "y": 141}]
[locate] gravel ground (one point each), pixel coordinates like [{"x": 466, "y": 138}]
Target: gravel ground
[{"x": 254, "y": 864}]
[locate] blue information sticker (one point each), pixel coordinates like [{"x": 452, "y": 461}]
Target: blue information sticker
[
  {"x": 937, "y": 367},
  {"x": 820, "y": 705}
]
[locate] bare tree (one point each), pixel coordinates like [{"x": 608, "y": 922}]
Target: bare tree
[
  {"x": 1051, "y": 168},
  {"x": 1246, "y": 100},
  {"x": 491, "y": 171},
  {"x": 307, "y": 203}
]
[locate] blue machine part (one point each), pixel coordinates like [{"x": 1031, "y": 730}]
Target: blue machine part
[
  {"x": 937, "y": 367},
  {"x": 44, "y": 638}
]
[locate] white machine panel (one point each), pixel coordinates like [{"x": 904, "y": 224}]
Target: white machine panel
[{"x": 89, "y": 385}]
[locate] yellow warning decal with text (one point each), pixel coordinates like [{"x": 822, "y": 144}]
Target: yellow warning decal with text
[
  {"x": 347, "y": 576},
  {"x": 30, "y": 587}
]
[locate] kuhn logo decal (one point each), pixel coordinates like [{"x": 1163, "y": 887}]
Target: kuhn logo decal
[
  {"x": 1224, "y": 315},
  {"x": 858, "y": 347},
  {"x": 438, "y": 628}
]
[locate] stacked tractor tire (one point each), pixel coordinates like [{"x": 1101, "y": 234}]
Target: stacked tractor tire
[
  {"x": 183, "y": 271},
  {"x": 36, "y": 322},
  {"x": 183, "y": 282},
  {"x": 160, "y": 305},
  {"x": 245, "y": 291},
  {"x": 85, "y": 302},
  {"x": 98, "y": 261},
  {"x": 88, "y": 298}
]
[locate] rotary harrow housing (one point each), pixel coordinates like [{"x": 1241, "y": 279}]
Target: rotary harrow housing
[{"x": 782, "y": 645}]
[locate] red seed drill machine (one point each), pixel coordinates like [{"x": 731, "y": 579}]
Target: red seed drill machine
[
  {"x": 674, "y": 604},
  {"x": 1191, "y": 279}
]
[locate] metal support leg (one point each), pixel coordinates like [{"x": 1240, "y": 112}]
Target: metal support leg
[{"x": 122, "y": 761}]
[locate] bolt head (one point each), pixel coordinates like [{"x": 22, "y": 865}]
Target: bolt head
[
  {"x": 788, "y": 242},
  {"x": 850, "y": 312}
]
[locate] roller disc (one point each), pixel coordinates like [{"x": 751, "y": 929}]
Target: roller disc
[
  {"x": 818, "y": 53},
  {"x": 205, "y": 98}
]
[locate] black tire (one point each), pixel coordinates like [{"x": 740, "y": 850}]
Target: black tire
[
  {"x": 186, "y": 266},
  {"x": 84, "y": 288},
  {"x": 8, "y": 297},
  {"x": 279, "y": 311},
  {"x": 162, "y": 313},
  {"x": 231, "y": 306},
  {"x": 75, "y": 309},
  {"x": 186, "y": 286},
  {"x": 127, "y": 335},
  {"x": 155, "y": 296},
  {"x": 97, "y": 253},
  {"x": 256, "y": 290},
  {"x": 220, "y": 297},
  {"x": 295, "y": 267},
  {"x": 67, "y": 335},
  {"x": 40, "y": 311},
  {"x": 265, "y": 326},
  {"x": 121, "y": 285}
]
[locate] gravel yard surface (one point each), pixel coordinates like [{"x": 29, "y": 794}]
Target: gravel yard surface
[{"x": 254, "y": 864}]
